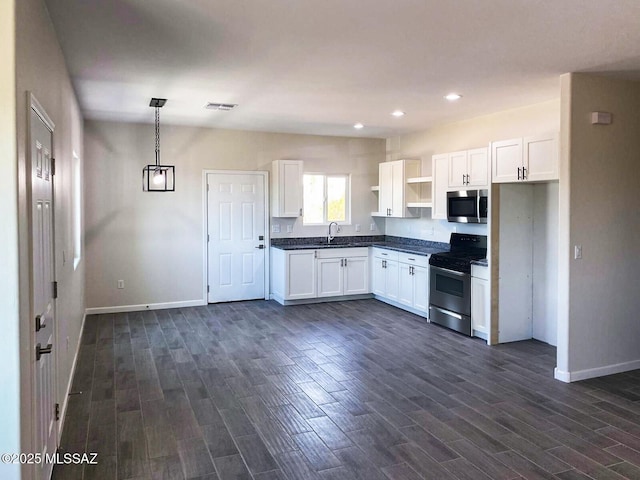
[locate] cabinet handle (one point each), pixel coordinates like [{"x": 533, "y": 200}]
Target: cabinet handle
[
  {"x": 518, "y": 173},
  {"x": 345, "y": 262},
  {"x": 40, "y": 350},
  {"x": 524, "y": 173},
  {"x": 411, "y": 270},
  {"x": 300, "y": 213},
  {"x": 384, "y": 264}
]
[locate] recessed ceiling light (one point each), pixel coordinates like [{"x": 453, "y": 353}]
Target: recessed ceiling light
[
  {"x": 220, "y": 106},
  {"x": 453, "y": 97},
  {"x": 397, "y": 113},
  {"x": 358, "y": 126}
]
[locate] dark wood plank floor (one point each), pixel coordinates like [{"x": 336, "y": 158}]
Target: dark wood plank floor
[{"x": 349, "y": 390}]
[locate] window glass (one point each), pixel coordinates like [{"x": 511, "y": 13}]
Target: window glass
[{"x": 326, "y": 199}]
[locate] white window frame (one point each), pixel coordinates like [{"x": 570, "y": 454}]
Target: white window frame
[{"x": 347, "y": 203}]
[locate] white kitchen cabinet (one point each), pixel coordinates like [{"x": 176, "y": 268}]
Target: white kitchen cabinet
[
  {"x": 440, "y": 169},
  {"x": 321, "y": 273},
  {"x": 413, "y": 281},
  {"x": 342, "y": 271},
  {"x": 293, "y": 274},
  {"x": 393, "y": 196},
  {"x": 401, "y": 280},
  {"x": 286, "y": 188},
  {"x": 528, "y": 159},
  {"x": 480, "y": 301},
  {"x": 469, "y": 168},
  {"x": 385, "y": 273}
]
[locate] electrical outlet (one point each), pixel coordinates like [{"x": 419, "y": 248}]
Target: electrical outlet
[
  {"x": 289, "y": 228},
  {"x": 338, "y": 229},
  {"x": 577, "y": 252},
  {"x": 372, "y": 227},
  {"x": 120, "y": 284},
  {"x": 275, "y": 228},
  {"x": 357, "y": 227}
]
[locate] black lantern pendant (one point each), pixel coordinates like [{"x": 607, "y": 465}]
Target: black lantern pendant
[{"x": 158, "y": 178}]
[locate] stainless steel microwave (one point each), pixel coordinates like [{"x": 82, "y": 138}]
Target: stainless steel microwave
[{"x": 467, "y": 206}]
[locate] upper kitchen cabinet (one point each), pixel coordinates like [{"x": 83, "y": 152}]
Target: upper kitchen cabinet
[
  {"x": 286, "y": 188},
  {"x": 393, "y": 195},
  {"x": 469, "y": 168},
  {"x": 528, "y": 159}
]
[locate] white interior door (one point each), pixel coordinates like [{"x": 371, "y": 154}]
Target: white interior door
[
  {"x": 236, "y": 232},
  {"x": 43, "y": 300}
]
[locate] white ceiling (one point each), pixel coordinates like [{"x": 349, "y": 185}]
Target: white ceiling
[{"x": 312, "y": 66}]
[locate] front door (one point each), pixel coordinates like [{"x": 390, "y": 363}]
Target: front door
[
  {"x": 236, "y": 236},
  {"x": 43, "y": 299}
]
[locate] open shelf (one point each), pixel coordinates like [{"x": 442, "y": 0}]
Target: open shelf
[
  {"x": 420, "y": 204},
  {"x": 420, "y": 180}
]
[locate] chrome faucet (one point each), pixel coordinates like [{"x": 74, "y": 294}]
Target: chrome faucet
[{"x": 331, "y": 237}]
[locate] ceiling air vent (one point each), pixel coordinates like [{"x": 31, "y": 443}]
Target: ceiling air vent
[{"x": 220, "y": 106}]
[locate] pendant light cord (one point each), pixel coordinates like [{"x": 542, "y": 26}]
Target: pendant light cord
[{"x": 157, "y": 136}]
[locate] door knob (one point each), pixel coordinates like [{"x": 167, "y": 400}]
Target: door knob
[
  {"x": 260, "y": 247},
  {"x": 42, "y": 351}
]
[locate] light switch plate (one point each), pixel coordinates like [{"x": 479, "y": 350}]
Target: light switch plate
[
  {"x": 275, "y": 228},
  {"x": 289, "y": 228},
  {"x": 577, "y": 252},
  {"x": 357, "y": 227}
]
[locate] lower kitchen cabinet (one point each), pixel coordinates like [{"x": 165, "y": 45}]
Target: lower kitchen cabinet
[
  {"x": 413, "y": 281},
  {"x": 401, "y": 280},
  {"x": 342, "y": 273},
  {"x": 322, "y": 273},
  {"x": 294, "y": 274},
  {"x": 480, "y": 301}
]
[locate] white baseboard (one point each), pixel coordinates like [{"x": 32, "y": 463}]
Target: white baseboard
[
  {"x": 148, "y": 306},
  {"x": 65, "y": 402},
  {"x": 578, "y": 375}
]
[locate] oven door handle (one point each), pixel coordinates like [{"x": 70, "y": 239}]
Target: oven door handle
[
  {"x": 453, "y": 272},
  {"x": 447, "y": 312}
]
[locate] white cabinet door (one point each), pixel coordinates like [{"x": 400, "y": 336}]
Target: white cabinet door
[
  {"x": 330, "y": 277},
  {"x": 541, "y": 158},
  {"x": 478, "y": 168},
  {"x": 301, "y": 275},
  {"x": 397, "y": 190},
  {"x": 457, "y": 169},
  {"x": 405, "y": 284},
  {"x": 480, "y": 305},
  {"x": 440, "y": 169},
  {"x": 385, "y": 195},
  {"x": 421, "y": 288},
  {"x": 506, "y": 158},
  {"x": 378, "y": 277},
  {"x": 286, "y": 188},
  {"x": 356, "y": 275},
  {"x": 391, "y": 279}
]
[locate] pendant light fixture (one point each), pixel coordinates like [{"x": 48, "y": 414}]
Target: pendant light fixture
[{"x": 158, "y": 178}]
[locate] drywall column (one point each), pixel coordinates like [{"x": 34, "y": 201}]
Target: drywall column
[
  {"x": 599, "y": 325},
  {"x": 9, "y": 309}
]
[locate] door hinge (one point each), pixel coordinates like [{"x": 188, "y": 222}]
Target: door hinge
[
  {"x": 207, "y": 288},
  {"x": 53, "y": 166},
  {"x": 57, "y": 412},
  {"x": 55, "y": 289}
]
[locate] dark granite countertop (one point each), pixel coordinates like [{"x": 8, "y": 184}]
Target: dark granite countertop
[
  {"x": 482, "y": 263},
  {"x": 400, "y": 244}
]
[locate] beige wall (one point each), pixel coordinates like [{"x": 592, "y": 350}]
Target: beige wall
[
  {"x": 9, "y": 312},
  {"x": 599, "y": 319},
  {"x": 473, "y": 133},
  {"x": 41, "y": 69},
  {"x": 154, "y": 241}
]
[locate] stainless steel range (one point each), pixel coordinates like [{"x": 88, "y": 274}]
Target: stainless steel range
[{"x": 450, "y": 281}]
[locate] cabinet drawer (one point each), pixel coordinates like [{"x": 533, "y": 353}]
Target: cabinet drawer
[
  {"x": 480, "y": 271},
  {"x": 342, "y": 252},
  {"x": 384, "y": 253},
  {"x": 418, "y": 260}
]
